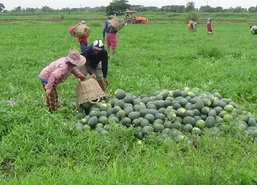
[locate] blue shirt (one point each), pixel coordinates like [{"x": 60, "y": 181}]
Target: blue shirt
[{"x": 107, "y": 28}]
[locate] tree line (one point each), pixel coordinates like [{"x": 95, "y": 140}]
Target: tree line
[{"x": 119, "y": 6}]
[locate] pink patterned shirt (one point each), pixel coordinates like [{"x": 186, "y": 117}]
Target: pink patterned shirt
[{"x": 58, "y": 72}]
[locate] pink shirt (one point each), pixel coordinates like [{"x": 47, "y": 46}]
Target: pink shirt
[{"x": 58, "y": 71}]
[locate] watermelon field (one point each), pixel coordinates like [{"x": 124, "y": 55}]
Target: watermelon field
[{"x": 181, "y": 107}]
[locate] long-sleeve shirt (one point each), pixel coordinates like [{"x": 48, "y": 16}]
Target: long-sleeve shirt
[
  {"x": 94, "y": 59},
  {"x": 107, "y": 28},
  {"x": 58, "y": 72}
]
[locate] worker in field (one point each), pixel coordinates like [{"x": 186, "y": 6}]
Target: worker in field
[
  {"x": 111, "y": 40},
  {"x": 191, "y": 25},
  {"x": 72, "y": 32},
  {"x": 253, "y": 29},
  {"x": 82, "y": 39},
  {"x": 209, "y": 26},
  {"x": 97, "y": 63},
  {"x": 57, "y": 72}
]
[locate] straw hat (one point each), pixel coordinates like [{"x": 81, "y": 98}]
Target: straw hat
[{"x": 75, "y": 58}]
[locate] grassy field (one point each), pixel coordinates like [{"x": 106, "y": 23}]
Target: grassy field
[
  {"x": 40, "y": 148},
  {"x": 152, "y": 16}
]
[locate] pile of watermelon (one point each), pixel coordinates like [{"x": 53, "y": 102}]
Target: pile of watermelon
[{"x": 168, "y": 114}]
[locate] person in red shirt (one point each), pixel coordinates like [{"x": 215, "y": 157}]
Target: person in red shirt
[
  {"x": 209, "y": 26},
  {"x": 83, "y": 41},
  {"x": 72, "y": 32},
  {"x": 190, "y": 25}
]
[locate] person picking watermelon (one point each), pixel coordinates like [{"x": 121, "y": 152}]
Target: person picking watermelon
[
  {"x": 57, "y": 72},
  {"x": 97, "y": 63}
]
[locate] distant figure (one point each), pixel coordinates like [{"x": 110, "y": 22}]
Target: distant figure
[
  {"x": 192, "y": 25},
  {"x": 253, "y": 29},
  {"x": 209, "y": 26},
  {"x": 72, "y": 32},
  {"x": 83, "y": 41},
  {"x": 111, "y": 40}
]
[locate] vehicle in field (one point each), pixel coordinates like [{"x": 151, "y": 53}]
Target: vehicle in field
[{"x": 130, "y": 19}]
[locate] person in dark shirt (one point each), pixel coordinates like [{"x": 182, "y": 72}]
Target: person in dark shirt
[{"x": 97, "y": 63}]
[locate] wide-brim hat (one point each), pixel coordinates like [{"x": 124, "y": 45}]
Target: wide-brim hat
[{"x": 75, "y": 58}]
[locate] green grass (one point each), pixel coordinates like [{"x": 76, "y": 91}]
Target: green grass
[
  {"x": 152, "y": 16},
  {"x": 42, "y": 149}
]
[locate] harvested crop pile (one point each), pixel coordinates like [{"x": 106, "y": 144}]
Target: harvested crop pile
[{"x": 168, "y": 113}]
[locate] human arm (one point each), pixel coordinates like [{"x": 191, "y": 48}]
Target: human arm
[
  {"x": 90, "y": 69},
  {"x": 105, "y": 29},
  {"x": 78, "y": 74},
  {"x": 105, "y": 66}
]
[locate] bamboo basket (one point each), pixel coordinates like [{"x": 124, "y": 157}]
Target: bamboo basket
[
  {"x": 89, "y": 91},
  {"x": 117, "y": 24}
]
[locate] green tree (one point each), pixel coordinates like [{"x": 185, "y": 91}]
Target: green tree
[
  {"x": 139, "y": 8},
  {"x": 117, "y": 7},
  {"x": 18, "y": 9},
  {"x": 239, "y": 9},
  {"x": 47, "y": 9},
  {"x": 206, "y": 8},
  {"x": 173, "y": 8},
  {"x": 152, "y": 8},
  {"x": 190, "y": 7},
  {"x": 2, "y": 7},
  {"x": 218, "y": 9},
  {"x": 252, "y": 9}
]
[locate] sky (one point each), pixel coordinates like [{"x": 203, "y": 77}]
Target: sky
[{"x": 58, "y": 4}]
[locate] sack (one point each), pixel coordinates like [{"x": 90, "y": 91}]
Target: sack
[
  {"x": 89, "y": 91},
  {"x": 82, "y": 30},
  {"x": 117, "y": 24}
]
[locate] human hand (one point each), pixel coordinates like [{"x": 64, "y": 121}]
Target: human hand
[
  {"x": 48, "y": 92},
  {"x": 83, "y": 78},
  {"x": 93, "y": 76},
  {"x": 106, "y": 83}
]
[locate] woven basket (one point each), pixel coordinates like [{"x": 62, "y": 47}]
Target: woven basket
[
  {"x": 89, "y": 91},
  {"x": 82, "y": 30},
  {"x": 117, "y": 24}
]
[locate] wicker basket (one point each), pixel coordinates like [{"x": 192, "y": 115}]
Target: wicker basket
[
  {"x": 89, "y": 91},
  {"x": 117, "y": 24}
]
